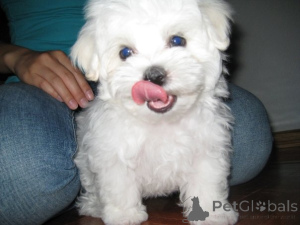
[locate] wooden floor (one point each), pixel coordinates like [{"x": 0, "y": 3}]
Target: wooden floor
[
  {"x": 278, "y": 183},
  {"x": 277, "y": 189}
]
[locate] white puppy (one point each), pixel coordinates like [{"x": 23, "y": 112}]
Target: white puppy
[{"x": 158, "y": 124}]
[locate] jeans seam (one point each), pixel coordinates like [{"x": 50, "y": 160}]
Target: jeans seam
[{"x": 73, "y": 122}]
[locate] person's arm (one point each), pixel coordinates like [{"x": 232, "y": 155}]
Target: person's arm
[
  {"x": 4, "y": 49},
  {"x": 51, "y": 71}
]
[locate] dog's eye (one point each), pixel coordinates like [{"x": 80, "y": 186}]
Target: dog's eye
[
  {"x": 177, "y": 41},
  {"x": 125, "y": 53}
]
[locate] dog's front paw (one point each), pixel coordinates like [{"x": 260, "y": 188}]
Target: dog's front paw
[
  {"x": 118, "y": 216},
  {"x": 219, "y": 218}
]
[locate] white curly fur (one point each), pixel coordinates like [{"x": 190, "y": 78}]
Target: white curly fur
[{"x": 126, "y": 151}]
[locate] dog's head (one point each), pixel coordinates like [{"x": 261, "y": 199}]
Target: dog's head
[{"x": 153, "y": 57}]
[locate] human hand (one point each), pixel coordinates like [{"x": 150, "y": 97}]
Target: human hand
[{"x": 54, "y": 73}]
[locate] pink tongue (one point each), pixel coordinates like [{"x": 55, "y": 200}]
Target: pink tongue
[{"x": 143, "y": 91}]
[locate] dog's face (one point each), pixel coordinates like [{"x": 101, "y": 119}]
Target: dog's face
[{"x": 154, "y": 57}]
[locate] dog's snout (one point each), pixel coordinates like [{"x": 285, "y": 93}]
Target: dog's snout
[{"x": 156, "y": 75}]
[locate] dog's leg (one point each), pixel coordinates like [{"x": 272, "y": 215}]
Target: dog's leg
[
  {"x": 88, "y": 202},
  {"x": 209, "y": 183},
  {"x": 120, "y": 195}
]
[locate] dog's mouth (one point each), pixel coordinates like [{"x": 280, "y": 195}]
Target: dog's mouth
[
  {"x": 158, "y": 100},
  {"x": 162, "y": 107}
]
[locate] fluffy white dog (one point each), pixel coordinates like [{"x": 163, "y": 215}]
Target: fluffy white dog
[{"x": 158, "y": 124}]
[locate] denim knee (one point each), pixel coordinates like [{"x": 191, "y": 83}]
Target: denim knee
[
  {"x": 38, "y": 177},
  {"x": 252, "y": 136}
]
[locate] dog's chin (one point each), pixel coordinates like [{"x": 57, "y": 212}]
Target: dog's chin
[{"x": 162, "y": 107}]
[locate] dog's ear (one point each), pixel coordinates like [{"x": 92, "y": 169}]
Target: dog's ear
[
  {"x": 83, "y": 54},
  {"x": 216, "y": 15}
]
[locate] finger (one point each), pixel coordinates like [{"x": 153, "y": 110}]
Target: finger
[
  {"x": 83, "y": 84},
  {"x": 59, "y": 87},
  {"x": 40, "y": 66},
  {"x": 46, "y": 87},
  {"x": 85, "y": 87},
  {"x": 71, "y": 84}
]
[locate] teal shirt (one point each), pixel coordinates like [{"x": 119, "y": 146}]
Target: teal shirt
[{"x": 43, "y": 25}]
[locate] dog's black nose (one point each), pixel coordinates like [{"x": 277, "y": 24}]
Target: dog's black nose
[{"x": 156, "y": 75}]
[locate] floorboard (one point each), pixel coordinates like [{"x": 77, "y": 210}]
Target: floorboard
[{"x": 286, "y": 146}]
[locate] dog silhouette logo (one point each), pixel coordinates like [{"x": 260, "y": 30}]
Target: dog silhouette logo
[{"x": 197, "y": 212}]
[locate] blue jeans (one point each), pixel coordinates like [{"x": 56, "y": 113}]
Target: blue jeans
[{"x": 38, "y": 178}]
